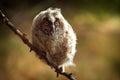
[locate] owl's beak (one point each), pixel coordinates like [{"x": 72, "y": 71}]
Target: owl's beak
[{"x": 54, "y": 29}]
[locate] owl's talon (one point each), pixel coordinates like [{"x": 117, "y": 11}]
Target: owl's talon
[
  {"x": 61, "y": 69},
  {"x": 57, "y": 73}
]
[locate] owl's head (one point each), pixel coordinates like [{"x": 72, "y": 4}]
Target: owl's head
[{"x": 50, "y": 21}]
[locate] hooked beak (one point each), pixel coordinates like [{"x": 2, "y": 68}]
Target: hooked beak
[{"x": 53, "y": 29}]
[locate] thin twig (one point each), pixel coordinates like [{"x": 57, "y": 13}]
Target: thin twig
[{"x": 35, "y": 49}]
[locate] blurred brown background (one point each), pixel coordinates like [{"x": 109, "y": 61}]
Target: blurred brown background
[{"x": 96, "y": 23}]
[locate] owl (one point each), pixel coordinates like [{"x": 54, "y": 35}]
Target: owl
[{"x": 52, "y": 34}]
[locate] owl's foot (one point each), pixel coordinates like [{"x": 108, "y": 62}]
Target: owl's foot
[{"x": 60, "y": 70}]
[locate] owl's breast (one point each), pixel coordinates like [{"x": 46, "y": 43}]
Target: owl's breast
[
  {"x": 57, "y": 49},
  {"x": 55, "y": 44}
]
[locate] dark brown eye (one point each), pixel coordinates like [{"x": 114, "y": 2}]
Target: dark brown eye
[
  {"x": 57, "y": 23},
  {"x": 46, "y": 23}
]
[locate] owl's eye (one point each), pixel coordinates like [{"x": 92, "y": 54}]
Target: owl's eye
[
  {"x": 46, "y": 23},
  {"x": 57, "y": 23}
]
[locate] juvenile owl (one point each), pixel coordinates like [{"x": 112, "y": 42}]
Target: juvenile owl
[{"x": 52, "y": 34}]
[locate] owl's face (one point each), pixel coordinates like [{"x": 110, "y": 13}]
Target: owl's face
[{"x": 49, "y": 21}]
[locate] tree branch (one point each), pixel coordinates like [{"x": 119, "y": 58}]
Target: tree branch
[{"x": 35, "y": 49}]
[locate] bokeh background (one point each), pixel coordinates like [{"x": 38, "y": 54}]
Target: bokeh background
[{"x": 97, "y": 26}]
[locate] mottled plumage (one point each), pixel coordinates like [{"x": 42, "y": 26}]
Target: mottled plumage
[{"x": 52, "y": 34}]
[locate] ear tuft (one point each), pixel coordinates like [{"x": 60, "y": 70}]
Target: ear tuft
[
  {"x": 50, "y": 8},
  {"x": 58, "y": 9}
]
